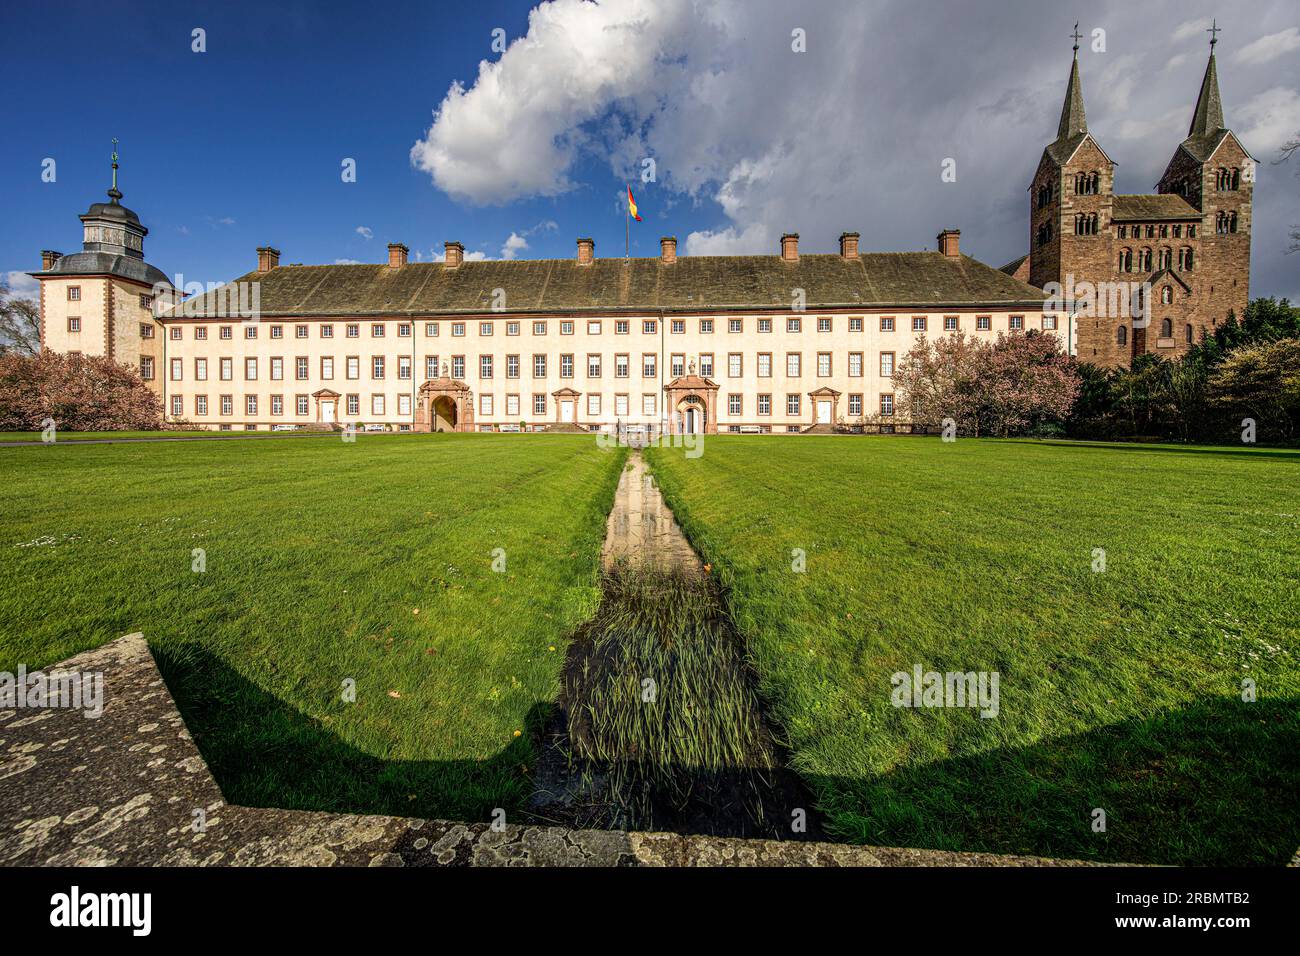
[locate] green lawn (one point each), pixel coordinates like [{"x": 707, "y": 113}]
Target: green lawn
[
  {"x": 318, "y": 556},
  {"x": 1119, "y": 690},
  {"x": 178, "y": 433}
]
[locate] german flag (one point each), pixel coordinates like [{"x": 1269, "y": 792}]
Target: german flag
[{"x": 631, "y": 205}]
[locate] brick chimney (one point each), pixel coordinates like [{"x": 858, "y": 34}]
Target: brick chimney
[
  {"x": 790, "y": 247},
  {"x": 849, "y": 245},
  {"x": 267, "y": 258},
  {"x": 668, "y": 250},
  {"x": 397, "y": 253},
  {"x": 48, "y": 258},
  {"x": 455, "y": 254},
  {"x": 948, "y": 242},
  {"x": 586, "y": 251}
]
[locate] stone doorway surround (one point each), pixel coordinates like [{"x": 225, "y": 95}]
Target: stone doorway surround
[
  {"x": 825, "y": 394},
  {"x": 561, "y": 396},
  {"x": 681, "y": 390},
  {"x": 322, "y": 396},
  {"x": 453, "y": 389}
]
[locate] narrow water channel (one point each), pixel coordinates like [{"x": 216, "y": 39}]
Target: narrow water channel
[{"x": 659, "y": 725}]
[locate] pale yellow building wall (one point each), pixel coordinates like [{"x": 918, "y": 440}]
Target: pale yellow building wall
[{"x": 182, "y": 381}]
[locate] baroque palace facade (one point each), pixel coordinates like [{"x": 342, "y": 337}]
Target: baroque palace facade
[
  {"x": 1187, "y": 246},
  {"x": 779, "y": 343}
]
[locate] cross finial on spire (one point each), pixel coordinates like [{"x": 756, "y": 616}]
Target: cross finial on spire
[
  {"x": 1077, "y": 36},
  {"x": 1214, "y": 32},
  {"x": 113, "y": 193}
]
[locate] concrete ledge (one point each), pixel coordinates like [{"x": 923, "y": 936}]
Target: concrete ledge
[{"x": 126, "y": 789}]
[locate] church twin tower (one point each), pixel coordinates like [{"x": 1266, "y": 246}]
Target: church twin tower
[{"x": 1189, "y": 244}]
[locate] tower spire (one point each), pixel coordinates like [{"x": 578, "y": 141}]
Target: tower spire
[
  {"x": 1073, "y": 121},
  {"x": 1208, "y": 116},
  {"x": 114, "y": 193}
]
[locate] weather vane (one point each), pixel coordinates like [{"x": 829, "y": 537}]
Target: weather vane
[
  {"x": 1214, "y": 32},
  {"x": 114, "y": 162},
  {"x": 1077, "y": 36}
]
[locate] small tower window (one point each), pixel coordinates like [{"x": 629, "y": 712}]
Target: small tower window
[
  {"x": 1188, "y": 332},
  {"x": 1121, "y": 335},
  {"x": 1166, "y": 328}
]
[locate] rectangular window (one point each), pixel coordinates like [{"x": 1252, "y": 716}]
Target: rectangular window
[
  {"x": 300, "y": 331},
  {"x": 485, "y": 405},
  {"x": 735, "y": 365},
  {"x": 855, "y": 323},
  {"x": 250, "y": 331},
  {"x": 404, "y": 367},
  {"x": 621, "y": 364},
  {"x": 566, "y": 365},
  {"x": 353, "y": 330},
  {"x": 512, "y": 328},
  {"x": 178, "y": 405},
  {"x": 765, "y": 404},
  {"x": 886, "y": 364},
  {"x": 376, "y": 405},
  {"x": 593, "y": 326},
  {"x": 539, "y": 403},
  {"x": 512, "y": 406},
  {"x": 983, "y": 323},
  {"x": 764, "y": 364},
  {"x": 74, "y": 293},
  {"x": 227, "y": 333},
  {"x": 621, "y": 326},
  {"x": 706, "y": 326},
  {"x": 765, "y": 325},
  {"x": 823, "y": 364},
  {"x": 354, "y": 404},
  {"x": 146, "y": 330},
  {"x": 404, "y": 330},
  {"x": 485, "y": 329},
  {"x": 175, "y": 333},
  {"x": 302, "y": 405},
  {"x": 200, "y": 370},
  {"x": 404, "y": 404},
  {"x": 676, "y": 365},
  {"x": 539, "y": 328},
  {"x": 918, "y": 323},
  {"x": 649, "y": 365},
  {"x": 678, "y": 326},
  {"x": 250, "y": 404},
  {"x": 250, "y": 370},
  {"x": 620, "y": 405},
  {"x": 793, "y": 325},
  {"x": 855, "y": 405},
  {"x": 227, "y": 404},
  {"x": 735, "y": 325},
  {"x": 431, "y": 329},
  {"x": 886, "y": 323},
  {"x": 74, "y": 324},
  {"x": 593, "y": 365},
  {"x": 327, "y": 368},
  {"x": 327, "y": 331},
  {"x": 226, "y": 370},
  {"x": 792, "y": 404},
  {"x": 485, "y": 366},
  {"x": 431, "y": 366},
  {"x": 855, "y": 365},
  {"x": 457, "y": 329},
  {"x": 648, "y": 405},
  {"x": 1049, "y": 322},
  {"x": 706, "y": 364},
  {"x": 887, "y": 404},
  {"x": 200, "y": 404},
  {"x": 146, "y": 301},
  {"x": 146, "y": 367},
  {"x": 353, "y": 367},
  {"x": 1017, "y": 323},
  {"x": 649, "y": 326},
  {"x": 950, "y": 323},
  {"x": 201, "y": 333},
  {"x": 277, "y": 331},
  {"x": 376, "y": 330},
  {"x": 178, "y": 366},
  {"x": 301, "y": 369},
  {"x": 539, "y": 366},
  {"x": 733, "y": 404},
  {"x": 512, "y": 366},
  {"x": 277, "y": 404},
  {"x": 593, "y": 403},
  {"x": 566, "y": 327},
  {"x": 793, "y": 364},
  {"x": 458, "y": 366},
  {"x": 823, "y": 323},
  {"x": 376, "y": 366}
]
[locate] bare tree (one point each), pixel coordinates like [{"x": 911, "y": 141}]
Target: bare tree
[
  {"x": 1288, "y": 150},
  {"x": 20, "y": 324}
]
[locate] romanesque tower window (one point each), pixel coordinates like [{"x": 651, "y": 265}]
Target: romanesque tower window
[
  {"x": 1121, "y": 335},
  {"x": 1144, "y": 260},
  {"x": 1126, "y": 260},
  {"x": 1227, "y": 180},
  {"x": 1044, "y": 195},
  {"x": 1085, "y": 224},
  {"x": 1166, "y": 328},
  {"x": 1166, "y": 258},
  {"x": 1086, "y": 184},
  {"x": 1184, "y": 260},
  {"x": 1225, "y": 223},
  {"x": 1045, "y": 233}
]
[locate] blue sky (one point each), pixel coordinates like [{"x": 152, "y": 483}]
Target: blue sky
[{"x": 242, "y": 145}]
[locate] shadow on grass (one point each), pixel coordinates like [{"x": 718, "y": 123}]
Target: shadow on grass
[
  {"x": 1213, "y": 784},
  {"x": 1217, "y": 783},
  {"x": 1212, "y": 451}
]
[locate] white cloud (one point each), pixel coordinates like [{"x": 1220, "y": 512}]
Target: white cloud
[
  {"x": 364, "y": 232},
  {"x": 1268, "y": 120},
  {"x": 513, "y": 246},
  {"x": 1191, "y": 28},
  {"x": 347, "y": 262},
  {"x": 1269, "y": 47},
  {"x": 23, "y": 286}
]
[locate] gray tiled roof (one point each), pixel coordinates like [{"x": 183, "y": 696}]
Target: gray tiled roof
[
  {"x": 106, "y": 263},
  {"x": 610, "y": 285},
  {"x": 1156, "y": 206}
]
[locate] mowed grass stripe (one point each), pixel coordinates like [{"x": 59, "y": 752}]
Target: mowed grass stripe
[
  {"x": 1119, "y": 689},
  {"x": 318, "y": 555}
]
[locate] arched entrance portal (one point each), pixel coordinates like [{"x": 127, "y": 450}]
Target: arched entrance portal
[
  {"x": 694, "y": 402},
  {"x": 692, "y": 416},
  {"x": 444, "y": 414}
]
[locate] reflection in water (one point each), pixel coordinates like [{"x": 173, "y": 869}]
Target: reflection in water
[{"x": 642, "y": 531}]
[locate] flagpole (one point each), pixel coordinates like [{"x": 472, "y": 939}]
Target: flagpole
[{"x": 627, "y": 223}]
